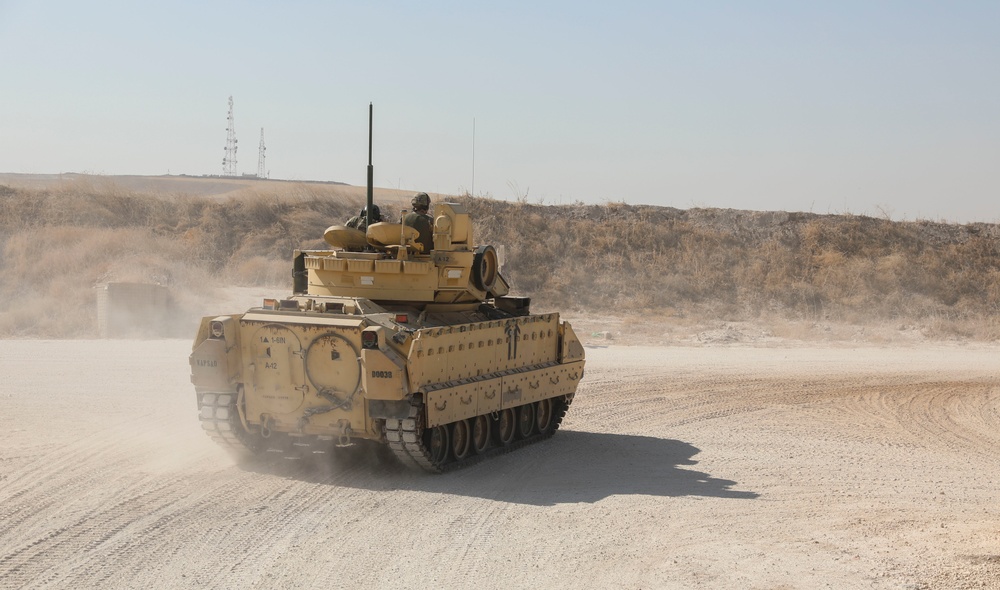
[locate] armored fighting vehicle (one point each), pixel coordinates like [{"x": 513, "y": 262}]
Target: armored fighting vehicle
[{"x": 425, "y": 353}]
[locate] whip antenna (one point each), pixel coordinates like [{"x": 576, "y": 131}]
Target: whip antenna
[{"x": 371, "y": 170}]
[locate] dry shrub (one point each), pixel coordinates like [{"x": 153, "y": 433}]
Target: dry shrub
[
  {"x": 605, "y": 259},
  {"x": 746, "y": 264}
]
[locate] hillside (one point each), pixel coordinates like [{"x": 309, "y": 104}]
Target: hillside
[{"x": 639, "y": 264}]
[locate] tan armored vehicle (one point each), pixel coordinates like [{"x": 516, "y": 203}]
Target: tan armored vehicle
[{"x": 423, "y": 352}]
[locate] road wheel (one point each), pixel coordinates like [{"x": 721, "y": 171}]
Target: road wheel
[
  {"x": 461, "y": 444},
  {"x": 526, "y": 420},
  {"x": 506, "y": 427},
  {"x": 544, "y": 415},
  {"x": 437, "y": 440},
  {"x": 480, "y": 433}
]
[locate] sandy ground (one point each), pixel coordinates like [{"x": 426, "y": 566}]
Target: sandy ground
[{"x": 722, "y": 466}]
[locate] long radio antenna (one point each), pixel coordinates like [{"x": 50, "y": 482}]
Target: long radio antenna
[
  {"x": 371, "y": 170},
  {"x": 473, "y": 157}
]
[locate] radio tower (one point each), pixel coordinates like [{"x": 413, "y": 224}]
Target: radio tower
[
  {"x": 229, "y": 161},
  {"x": 260, "y": 157}
]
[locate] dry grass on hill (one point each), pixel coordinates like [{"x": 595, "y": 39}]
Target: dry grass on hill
[
  {"x": 740, "y": 264},
  {"x": 609, "y": 259}
]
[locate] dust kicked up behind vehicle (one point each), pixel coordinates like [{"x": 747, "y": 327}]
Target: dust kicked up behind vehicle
[{"x": 381, "y": 343}]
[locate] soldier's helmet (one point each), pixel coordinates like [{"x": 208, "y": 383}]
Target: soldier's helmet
[
  {"x": 376, "y": 213},
  {"x": 421, "y": 201}
]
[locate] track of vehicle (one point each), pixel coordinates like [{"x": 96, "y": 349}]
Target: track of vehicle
[
  {"x": 407, "y": 439},
  {"x": 410, "y": 442}
]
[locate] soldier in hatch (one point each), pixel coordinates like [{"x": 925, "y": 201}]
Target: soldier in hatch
[
  {"x": 421, "y": 221},
  {"x": 360, "y": 221}
]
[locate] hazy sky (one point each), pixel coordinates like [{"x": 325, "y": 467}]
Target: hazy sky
[{"x": 865, "y": 107}]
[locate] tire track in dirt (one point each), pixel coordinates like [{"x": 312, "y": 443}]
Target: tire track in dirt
[
  {"x": 123, "y": 535},
  {"x": 913, "y": 412},
  {"x": 144, "y": 498},
  {"x": 96, "y": 514}
]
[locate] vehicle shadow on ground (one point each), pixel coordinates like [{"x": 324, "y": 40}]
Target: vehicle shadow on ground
[{"x": 571, "y": 467}]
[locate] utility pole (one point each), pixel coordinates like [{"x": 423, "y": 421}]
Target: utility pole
[{"x": 229, "y": 160}]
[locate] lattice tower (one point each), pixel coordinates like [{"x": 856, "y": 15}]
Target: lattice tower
[
  {"x": 229, "y": 160},
  {"x": 261, "y": 173}
]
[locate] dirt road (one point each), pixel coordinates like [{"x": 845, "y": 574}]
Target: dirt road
[{"x": 677, "y": 467}]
